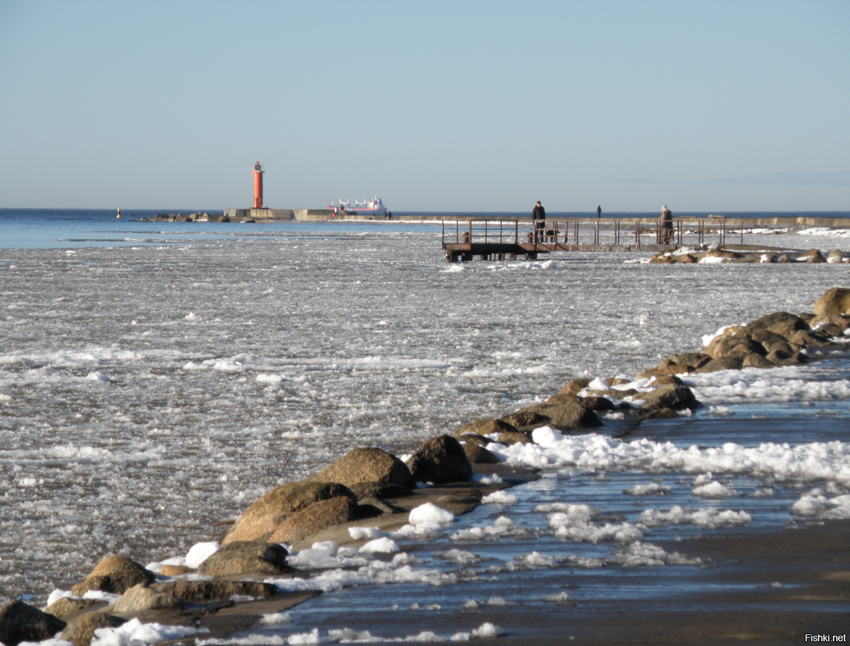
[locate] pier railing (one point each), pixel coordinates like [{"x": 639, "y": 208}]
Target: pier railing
[{"x": 605, "y": 232}]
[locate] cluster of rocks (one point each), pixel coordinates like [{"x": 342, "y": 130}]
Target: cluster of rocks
[
  {"x": 371, "y": 486},
  {"x": 706, "y": 254},
  {"x": 179, "y": 217},
  {"x": 359, "y": 487}
]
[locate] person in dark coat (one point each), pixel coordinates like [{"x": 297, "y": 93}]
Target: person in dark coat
[
  {"x": 598, "y": 211},
  {"x": 666, "y": 233},
  {"x": 538, "y": 215}
]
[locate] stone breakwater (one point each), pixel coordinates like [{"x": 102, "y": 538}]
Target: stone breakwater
[{"x": 369, "y": 491}]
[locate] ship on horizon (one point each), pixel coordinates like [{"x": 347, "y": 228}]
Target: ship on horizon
[{"x": 366, "y": 207}]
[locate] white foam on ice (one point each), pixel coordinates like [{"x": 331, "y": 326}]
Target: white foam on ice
[
  {"x": 430, "y": 513},
  {"x": 804, "y": 463},
  {"x": 135, "y": 632}
]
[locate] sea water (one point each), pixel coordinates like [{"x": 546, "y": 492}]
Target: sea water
[{"x": 152, "y": 388}]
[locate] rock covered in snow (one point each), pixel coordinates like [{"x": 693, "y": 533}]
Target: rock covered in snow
[
  {"x": 264, "y": 516},
  {"x": 441, "y": 459},
  {"x": 20, "y": 622},
  {"x": 366, "y": 465},
  {"x": 115, "y": 574}
]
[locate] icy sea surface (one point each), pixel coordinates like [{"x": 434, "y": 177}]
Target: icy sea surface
[{"x": 150, "y": 392}]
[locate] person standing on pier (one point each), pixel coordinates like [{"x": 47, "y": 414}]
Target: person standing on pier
[
  {"x": 538, "y": 216},
  {"x": 598, "y": 212},
  {"x": 666, "y": 233}
]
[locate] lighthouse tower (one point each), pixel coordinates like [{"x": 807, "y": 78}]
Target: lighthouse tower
[{"x": 258, "y": 186}]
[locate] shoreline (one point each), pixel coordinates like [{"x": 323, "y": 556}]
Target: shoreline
[{"x": 773, "y": 550}]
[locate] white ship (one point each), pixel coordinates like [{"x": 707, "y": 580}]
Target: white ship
[{"x": 366, "y": 207}]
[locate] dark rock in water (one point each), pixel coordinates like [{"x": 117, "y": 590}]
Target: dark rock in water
[
  {"x": 479, "y": 455},
  {"x": 771, "y": 341},
  {"x": 65, "y": 607},
  {"x": 379, "y": 490},
  {"x": 202, "y": 591},
  {"x": 261, "y": 519},
  {"x": 814, "y": 339},
  {"x": 672, "y": 396},
  {"x": 80, "y": 630},
  {"x": 655, "y": 413},
  {"x": 495, "y": 426},
  {"x": 20, "y": 622},
  {"x": 141, "y": 597},
  {"x": 690, "y": 360},
  {"x": 567, "y": 417},
  {"x": 318, "y": 516},
  {"x": 834, "y": 301},
  {"x": 473, "y": 438},
  {"x": 596, "y": 403},
  {"x": 366, "y": 465},
  {"x": 514, "y": 437},
  {"x": 575, "y": 386},
  {"x": 735, "y": 345},
  {"x": 441, "y": 459},
  {"x": 524, "y": 417},
  {"x": 781, "y": 323},
  {"x": 472, "y": 427},
  {"x": 756, "y": 361},
  {"x": 666, "y": 380},
  {"x": 370, "y": 507},
  {"x": 813, "y": 256},
  {"x": 782, "y": 358},
  {"x": 115, "y": 574},
  {"x": 723, "y": 363},
  {"x": 242, "y": 557}
]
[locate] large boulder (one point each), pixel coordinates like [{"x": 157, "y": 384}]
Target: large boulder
[
  {"x": 67, "y": 606},
  {"x": 318, "y": 516},
  {"x": 672, "y": 396},
  {"x": 141, "y": 597},
  {"x": 203, "y": 591},
  {"x": 262, "y": 518},
  {"x": 366, "y": 465},
  {"x": 441, "y": 459},
  {"x": 781, "y": 323},
  {"x": 525, "y": 417},
  {"x": 510, "y": 438},
  {"x": 734, "y": 345},
  {"x": 575, "y": 386},
  {"x": 115, "y": 574},
  {"x": 568, "y": 417},
  {"x": 723, "y": 363},
  {"x": 239, "y": 557},
  {"x": 20, "y": 622},
  {"x": 771, "y": 341},
  {"x": 479, "y": 455},
  {"x": 80, "y": 630}
]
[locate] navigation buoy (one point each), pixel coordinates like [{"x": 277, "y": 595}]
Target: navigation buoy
[{"x": 119, "y": 213}]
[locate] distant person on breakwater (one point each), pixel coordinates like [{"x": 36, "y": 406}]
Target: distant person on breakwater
[
  {"x": 538, "y": 215},
  {"x": 666, "y": 233},
  {"x": 598, "y": 211}
]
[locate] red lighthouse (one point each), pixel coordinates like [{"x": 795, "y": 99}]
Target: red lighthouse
[{"x": 258, "y": 186}]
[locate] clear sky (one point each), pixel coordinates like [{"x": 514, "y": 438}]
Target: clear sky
[{"x": 435, "y": 106}]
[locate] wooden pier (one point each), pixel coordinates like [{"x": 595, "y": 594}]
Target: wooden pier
[{"x": 509, "y": 239}]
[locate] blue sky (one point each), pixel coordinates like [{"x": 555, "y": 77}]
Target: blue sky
[{"x": 434, "y": 106}]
